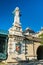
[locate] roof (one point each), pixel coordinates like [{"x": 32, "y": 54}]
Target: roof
[
  {"x": 28, "y": 28},
  {"x": 28, "y": 31},
  {"x": 3, "y": 32}
]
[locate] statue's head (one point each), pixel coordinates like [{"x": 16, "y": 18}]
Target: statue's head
[
  {"x": 16, "y": 12},
  {"x": 17, "y": 9}
]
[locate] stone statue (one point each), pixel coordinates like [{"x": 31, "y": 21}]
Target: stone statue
[{"x": 17, "y": 15}]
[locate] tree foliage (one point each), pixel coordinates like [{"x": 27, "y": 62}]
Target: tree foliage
[{"x": 41, "y": 36}]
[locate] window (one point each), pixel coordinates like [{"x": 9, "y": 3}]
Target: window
[{"x": 18, "y": 47}]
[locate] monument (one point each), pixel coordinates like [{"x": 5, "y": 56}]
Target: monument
[{"x": 16, "y": 45}]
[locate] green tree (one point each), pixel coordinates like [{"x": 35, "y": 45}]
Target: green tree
[{"x": 41, "y": 37}]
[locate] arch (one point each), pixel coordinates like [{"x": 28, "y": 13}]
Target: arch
[{"x": 40, "y": 52}]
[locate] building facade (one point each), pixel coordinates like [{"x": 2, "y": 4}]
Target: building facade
[{"x": 3, "y": 45}]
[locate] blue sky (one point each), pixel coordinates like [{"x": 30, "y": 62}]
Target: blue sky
[{"x": 31, "y": 11}]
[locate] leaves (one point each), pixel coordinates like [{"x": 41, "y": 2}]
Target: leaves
[{"x": 41, "y": 36}]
